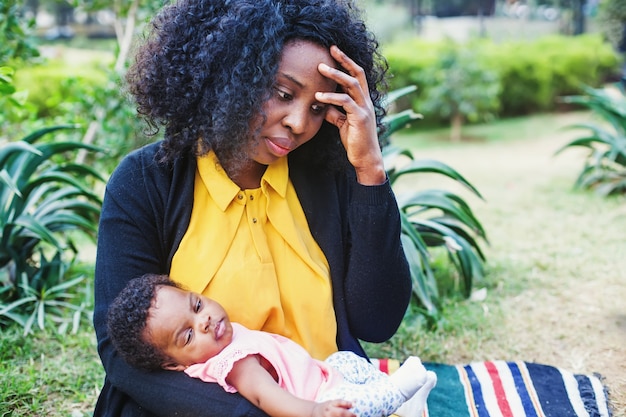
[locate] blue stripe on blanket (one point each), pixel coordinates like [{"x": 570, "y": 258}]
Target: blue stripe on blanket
[
  {"x": 553, "y": 395},
  {"x": 522, "y": 390},
  {"x": 477, "y": 403}
]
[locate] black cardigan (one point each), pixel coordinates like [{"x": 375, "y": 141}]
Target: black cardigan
[{"x": 145, "y": 213}]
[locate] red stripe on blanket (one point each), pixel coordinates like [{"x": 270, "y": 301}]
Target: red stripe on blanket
[{"x": 499, "y": 389}]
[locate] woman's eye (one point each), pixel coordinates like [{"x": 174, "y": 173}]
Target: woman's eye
[
  {"x": 283, "y": 95},
  {"x": 318, "y": 108}
]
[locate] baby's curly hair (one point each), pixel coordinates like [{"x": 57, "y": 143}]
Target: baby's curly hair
[
  {"x": 208, "y": 66},
  {"x": 127, "y": 317}
]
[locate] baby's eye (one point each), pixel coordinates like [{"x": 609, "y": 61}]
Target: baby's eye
[
  {"x": 198, "y": 305},
  {"x": 188, "y": 336}
]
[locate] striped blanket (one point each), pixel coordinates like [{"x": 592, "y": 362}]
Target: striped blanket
[{"x": 511, "y": 389}]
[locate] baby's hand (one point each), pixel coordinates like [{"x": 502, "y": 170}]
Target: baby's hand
[{"x": 334, "y": 408}]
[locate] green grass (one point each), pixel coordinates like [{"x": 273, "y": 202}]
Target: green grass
[
  {"x": 48, "y": 374},
  {"x": 463, "y": 322}
]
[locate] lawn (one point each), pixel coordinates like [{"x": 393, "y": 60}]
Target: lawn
[{"x": 553, "y": 293}]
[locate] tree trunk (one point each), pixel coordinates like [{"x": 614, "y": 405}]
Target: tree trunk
[
  {"x": 455, "y": 127},
  {"x": 578, "y": 17},
  {"x": 125, "y": 35}
]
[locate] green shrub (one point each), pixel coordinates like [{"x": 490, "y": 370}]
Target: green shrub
[
  {"x": 86, "y": 93},
  {"x": 525, "y": 76},
  {"x": 15, "y": 41},
  {"x": 587, "y": 61},
  {"x": 409, "y": 58},
  {"x": 461, "y": 88},
  {"x": 533, "y": 74},
  {"x": 12, "y": 102},
  {"x": 44, "y": 199},
  {"x": 46, "y": 195},
  {"x": 54, "y": 84},
  {"x": 605, "y": 167}
]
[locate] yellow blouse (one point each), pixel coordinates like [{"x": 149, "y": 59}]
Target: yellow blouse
[{"x": 253, "y": 252}]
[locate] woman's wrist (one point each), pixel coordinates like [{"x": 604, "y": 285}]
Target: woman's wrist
[{"x": 371, "y": 175}]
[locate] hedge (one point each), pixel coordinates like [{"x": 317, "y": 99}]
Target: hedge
[{"x": 533, "y": 73}]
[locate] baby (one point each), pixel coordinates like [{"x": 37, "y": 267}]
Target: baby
[{"x": 155, "y": 324}]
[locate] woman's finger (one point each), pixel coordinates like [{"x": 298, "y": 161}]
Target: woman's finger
[
  {"x": 353, "y": 82},
  {"x": 349, "y": 65}
]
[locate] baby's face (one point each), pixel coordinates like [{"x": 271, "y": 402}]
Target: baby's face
[{"x": 190, "y": 328}]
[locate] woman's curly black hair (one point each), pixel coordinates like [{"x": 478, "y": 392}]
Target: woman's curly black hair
[
  {"x": 127, "y": 318},
  {"x": 207, "y": 67}
]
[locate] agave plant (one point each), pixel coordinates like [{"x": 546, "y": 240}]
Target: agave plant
[
  {"x": 605, "y": 167},
  {"x": 48, "y": 296},
  {"x": 432, "y": 218},
  {"x": 44, "y": 200}
]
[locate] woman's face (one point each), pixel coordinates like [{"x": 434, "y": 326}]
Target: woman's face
[
  {"x": 188, "y": 327},
  {"x": 293, "y": 115}
]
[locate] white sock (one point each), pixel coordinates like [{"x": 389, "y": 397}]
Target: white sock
[
  {"x": 409, "y": 377},
  {"x": 415, "y": 405}
]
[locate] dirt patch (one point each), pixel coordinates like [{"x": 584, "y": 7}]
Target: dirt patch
[{"x": 569, "y": 311}]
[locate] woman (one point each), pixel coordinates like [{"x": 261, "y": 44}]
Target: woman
[{"x": 268, "y": 192}]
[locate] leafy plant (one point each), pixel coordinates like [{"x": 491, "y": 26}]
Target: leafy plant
[
  {"x": 15, "y": 40},
  {"x": 47, "y": 297},
  {"x": 44, "y": 200},
  {"x": 432, "y": 219},
  {"x": 605, "y": 166},
  {"x": 459, "y": 87}
]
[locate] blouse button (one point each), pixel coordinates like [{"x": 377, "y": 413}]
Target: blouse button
[
  {"x": 240, "y": 196},
  {"x": 254, "y": 220}
]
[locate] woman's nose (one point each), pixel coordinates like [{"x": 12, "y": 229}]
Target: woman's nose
[{"x": 296, "y": 119}]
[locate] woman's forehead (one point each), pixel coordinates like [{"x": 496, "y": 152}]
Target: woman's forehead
[{"x": 299, "y": 63}]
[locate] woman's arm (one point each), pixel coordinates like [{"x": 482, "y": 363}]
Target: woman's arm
[
  {"x": 377, "y": 284},
  {"x": 377, "y": 281},
  {"x": 133, "y": 239},
  {"x": 256, "y": 384}
]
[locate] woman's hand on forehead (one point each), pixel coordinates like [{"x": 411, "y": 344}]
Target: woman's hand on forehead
[{"x": 357, "y": 126}]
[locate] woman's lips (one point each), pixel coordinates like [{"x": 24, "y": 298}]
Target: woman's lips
[{"x": 276, "y": 148}]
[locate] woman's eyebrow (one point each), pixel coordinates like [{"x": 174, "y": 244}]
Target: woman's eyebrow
[{"x": 292, "y": 79}]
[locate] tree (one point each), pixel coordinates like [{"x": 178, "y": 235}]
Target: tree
[
  {"x": 15, "y": 42},
  {"x": 612, "y": 20},
  {"x": 459, "y": 87}
]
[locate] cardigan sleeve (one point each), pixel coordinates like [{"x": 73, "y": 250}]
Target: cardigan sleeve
[
  {"x": 140, "y": 217},
  {"x": 377, "y": 281}
]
